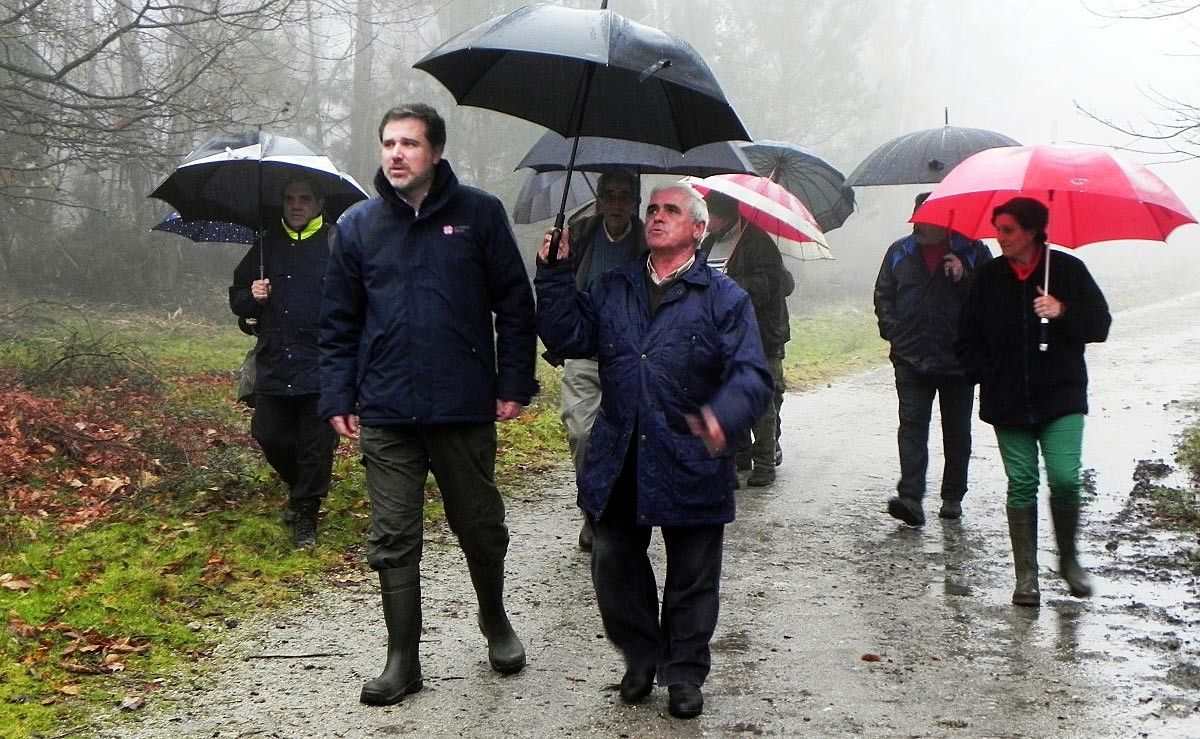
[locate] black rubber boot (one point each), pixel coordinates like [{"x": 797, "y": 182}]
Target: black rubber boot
[
  {"x": 304, "y": 526},
  {"x": 506, "y": 654},
  {"x": 585, "y": 534},
  {"x": 1066, "y": 527},
  {"x": 1022, "y": 530},
  {"x": 401, "y": 589}
]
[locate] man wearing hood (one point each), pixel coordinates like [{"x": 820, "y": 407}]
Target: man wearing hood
[
  {"x": 919, "y": 293},
  {"x": 427, "y": 340}
]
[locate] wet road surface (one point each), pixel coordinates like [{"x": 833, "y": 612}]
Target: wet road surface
[{"x": 836, "y": 620}]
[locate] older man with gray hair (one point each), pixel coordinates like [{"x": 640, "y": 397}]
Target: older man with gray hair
[{"x": 682, "y": 370}]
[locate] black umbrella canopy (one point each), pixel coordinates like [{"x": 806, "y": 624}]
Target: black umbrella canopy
[
  {"x": 802, "y": 172},
  {"x": 240, "y": 179},
  {"x": 588, "y": 73},
  {"x": 552, "y": 152},
  {"x": 924, "y": 157}
]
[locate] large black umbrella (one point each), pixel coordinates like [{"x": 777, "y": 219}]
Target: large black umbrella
[
  {"x": 924, "y": 157},
  {"x": 818, "y": 184},
  {"x": 552, "y": 152},
  {"x": 541, "y": 194},
  {"x": 587, "y": 73},
  {"x": 240, "y": 179}
]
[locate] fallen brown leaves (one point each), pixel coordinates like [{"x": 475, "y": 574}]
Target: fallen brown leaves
[{"x": 74, "y": 460}]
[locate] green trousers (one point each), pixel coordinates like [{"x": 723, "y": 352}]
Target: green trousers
[{"x": 1061, "y": 442}]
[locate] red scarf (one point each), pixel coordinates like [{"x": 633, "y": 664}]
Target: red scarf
[{"x": 1022, "y": 271}]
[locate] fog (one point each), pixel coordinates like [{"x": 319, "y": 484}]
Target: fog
[
  {"x": 97, "y": 114},
  {"x": 1031, "y": 69}
]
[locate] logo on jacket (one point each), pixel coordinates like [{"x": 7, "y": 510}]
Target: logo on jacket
[{"x": 449, "y": 230}]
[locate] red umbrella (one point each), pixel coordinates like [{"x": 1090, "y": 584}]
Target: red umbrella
[
  {"x": 772, "y": 208},
  {"x": 1092, "y": 195}
]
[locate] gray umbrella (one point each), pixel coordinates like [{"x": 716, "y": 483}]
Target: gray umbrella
[
  {"x": 541, "y": 195},
  {"x": 818, "y": 184},
  {"x": 924, "y": 156},
  {"x": 599, "y": 153}
]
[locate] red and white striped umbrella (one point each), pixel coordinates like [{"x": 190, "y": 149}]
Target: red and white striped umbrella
[{"x": 772, "y": 208}]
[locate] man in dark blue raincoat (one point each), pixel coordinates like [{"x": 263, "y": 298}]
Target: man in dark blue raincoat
[{"x": 683, "y": 373}]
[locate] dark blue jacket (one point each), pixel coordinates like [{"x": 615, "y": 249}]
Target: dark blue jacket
[
  {"x": 1019, "y": 385},
  {"x": 286, "y": 361},
  {"x": 407, "y": 329},
  {"x": 918, "y": 310},
  {"x": 701, "y": 347}
]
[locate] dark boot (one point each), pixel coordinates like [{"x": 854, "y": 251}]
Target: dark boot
[
  {"x": 304, "y": 526},
  {"x": 585, "y": 534},
  {"x": 1022, "y": 530},
  {"x": 401, "y": 589},
  {"x": 1066, "y": 525},
  {"x": 506, "y": 654}
]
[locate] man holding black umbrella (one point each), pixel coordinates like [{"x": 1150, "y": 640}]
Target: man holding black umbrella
[
  {"x": 683, "y": 373},
  {"x": 427, "y": 340},
  {"x": 601, "y": 242},
  {"x": 278, "y": 284},
  {"x": 920, "y": 291}
]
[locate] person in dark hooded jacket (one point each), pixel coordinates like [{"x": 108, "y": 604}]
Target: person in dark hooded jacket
[
  {"x": 427, "y": 340},
  {"x": 919, "y": 294}
]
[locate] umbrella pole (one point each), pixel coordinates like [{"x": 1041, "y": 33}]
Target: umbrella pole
[
  {"x": 560, "y": 219},
  {"x": 262, "y": 267},
  {"x": 1044, "y": 337}
]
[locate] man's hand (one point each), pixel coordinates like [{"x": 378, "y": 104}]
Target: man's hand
[
  {"x": 507, "y": 410},
  {"x": 346, "y": 425},
  {"x": 260, "y": 290},
  {"x": 708, "y": 428},
  {"x": 953, "y": 266},
  {"x": 564, "y": 245}
]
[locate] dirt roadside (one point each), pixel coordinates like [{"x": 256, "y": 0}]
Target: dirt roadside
[{"x": 817, "y": 577}]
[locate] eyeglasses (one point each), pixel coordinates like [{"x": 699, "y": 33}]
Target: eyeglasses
[{"x": 616, "y": 197}]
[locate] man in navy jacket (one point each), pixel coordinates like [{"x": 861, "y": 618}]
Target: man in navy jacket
[
  {"x": 682, "y": 373},
  {"x": 919, "y": 293},
  {"x": 427, "y": 340}
]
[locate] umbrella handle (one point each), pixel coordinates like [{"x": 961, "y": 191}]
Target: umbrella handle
[
  {"x": 555, "y": 239},
  {"x": 1044, "y": 329}
]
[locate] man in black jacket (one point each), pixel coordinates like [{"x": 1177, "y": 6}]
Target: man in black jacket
[
  {"x": 919, "y": 293},
  {"x": 278, "y": 285},
  {"x": 746, "y": 253}
]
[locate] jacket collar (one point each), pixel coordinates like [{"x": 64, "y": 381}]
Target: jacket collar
[
  {"x": 309, "y": 229},
  {"x": 445, "y": 183}
]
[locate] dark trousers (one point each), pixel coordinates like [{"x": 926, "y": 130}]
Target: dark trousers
[
  {"x": 956, "y": 397},
  {"x": 462, "y": 458},
  {"x": 759, "y": 442},
  {"x": 298, "y": 445},
  {"x": 677, "y": 645}
]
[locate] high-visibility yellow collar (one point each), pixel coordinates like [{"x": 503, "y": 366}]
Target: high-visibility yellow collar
[{"x": 313, "y": 226}]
